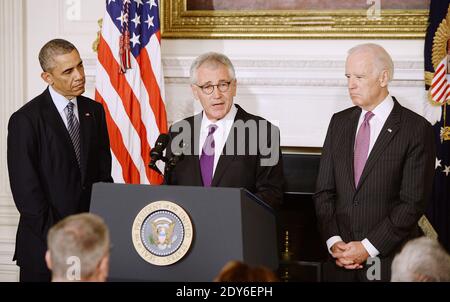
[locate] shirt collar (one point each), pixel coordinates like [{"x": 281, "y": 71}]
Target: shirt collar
[
  {"x": 228, "y": 118},
  {"x": 383, "y": 109},
  {"x": 60, "y": 101}
]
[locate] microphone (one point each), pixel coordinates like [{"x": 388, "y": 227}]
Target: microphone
[{"x": 157, "y": 152}]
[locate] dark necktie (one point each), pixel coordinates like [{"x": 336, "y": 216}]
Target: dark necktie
[
  {"x": 74, "y": 130},
  {"x": 362, "y": 147},
  {"x": 207, "y": 157}
]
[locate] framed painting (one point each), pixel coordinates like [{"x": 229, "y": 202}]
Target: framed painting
[{"x": 317, "y": 19}]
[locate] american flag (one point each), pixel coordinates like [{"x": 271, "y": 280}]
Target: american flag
[
  {"x": 130, "y": 85},
  {"x": 440, "y": 88},
  {"x": 438, "y": 211}
]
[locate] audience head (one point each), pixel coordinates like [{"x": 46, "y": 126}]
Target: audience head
[
  {"x": 78, "y": 249},
  {"x": 236, "y": 271},
  {"x": 421, "y": 260}
]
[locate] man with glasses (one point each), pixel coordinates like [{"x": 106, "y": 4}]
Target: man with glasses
[{"x": 224, "y": 146}]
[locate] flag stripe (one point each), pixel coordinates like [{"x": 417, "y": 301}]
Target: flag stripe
[
  {"x": 438, "y": 78},
  {"x": 439, "y": 84},
  {"x": 130, "y": 173},
  {"x": 439, "y": 89},
  {"x": 129, "y": 100},
  {"x": 130, "y": 137},
  {"x": 150, "y": 82},
  {"x": 440, "y": 67},
  {"x": 153, "y": 52},
  {"x": 135, "y": 76},
  {"x": 133, "y": 96}
]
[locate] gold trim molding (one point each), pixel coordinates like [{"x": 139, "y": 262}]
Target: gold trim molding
[{"x": 179, "y": 23}]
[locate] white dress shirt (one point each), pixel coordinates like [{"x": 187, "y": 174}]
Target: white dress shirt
[
  {"x": 220, "y": 135},
  {"x": 381, "y": 113},
  {"x": 61, "y": 104}
]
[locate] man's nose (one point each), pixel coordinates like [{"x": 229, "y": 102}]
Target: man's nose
[
  {"x": 79, "y": 73},
  {"x": 216, "y": 92},
  {"x": 351, "y": 83}
]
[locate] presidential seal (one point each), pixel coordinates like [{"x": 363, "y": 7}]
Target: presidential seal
[{"x": 162, "y": 233}]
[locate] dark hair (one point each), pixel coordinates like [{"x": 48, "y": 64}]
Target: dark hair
[
  {"x": 236, "y": 271},
  {"x": 51, "y": 49}
]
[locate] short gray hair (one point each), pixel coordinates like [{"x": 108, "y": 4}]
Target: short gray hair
[
  {"x": 421, "y": 259},
  {"x": 85, "y": 236},
  {"x": 383, "y": 60},
  {"x": 212, "y": 58},
  {"x": 52, "y": 49}
]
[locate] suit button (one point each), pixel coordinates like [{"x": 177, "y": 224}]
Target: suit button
[{"x": 84, "y": 188}]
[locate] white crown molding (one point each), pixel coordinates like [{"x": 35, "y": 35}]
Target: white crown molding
[
  {"x": 281, "y": 72},
  {"x": 9, "y": 216},
  {"x": 298, "y": 82},
  {"x": 289, "y": 63}
]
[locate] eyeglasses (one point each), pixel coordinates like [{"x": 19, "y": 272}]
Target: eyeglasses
[{"x": 209, "y": 89}]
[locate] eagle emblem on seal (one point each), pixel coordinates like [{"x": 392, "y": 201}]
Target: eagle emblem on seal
[{"x": 162, "y": 234}]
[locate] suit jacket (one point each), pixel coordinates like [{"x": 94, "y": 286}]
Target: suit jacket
[
  {"x": 46, "y": 181},
  {"x": 235, "y": 168},
  {"x": 394, "y": 187}
]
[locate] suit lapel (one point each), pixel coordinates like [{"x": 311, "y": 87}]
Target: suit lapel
[
  {"x": 194, "y": 148},
  {"x": 225, "y": 159},
  {"x": 85, "y": 117},
  {"x": 54, "y": 120},
  {"x": 222, "y": 165},
  {"x": 388, "y": 132},
  {"x": 349, "y": 143}
]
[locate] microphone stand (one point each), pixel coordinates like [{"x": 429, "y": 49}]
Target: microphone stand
[{"x": 170, "y": 164}]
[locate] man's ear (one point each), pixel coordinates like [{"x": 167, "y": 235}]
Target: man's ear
[
  {"x": 104, "y": 268},
  {"x": 47, "y": 77},
  {"x": 384, "y": 78},
  {"x": 48, "y": 260},
  {"x": 234, "y": 87}
]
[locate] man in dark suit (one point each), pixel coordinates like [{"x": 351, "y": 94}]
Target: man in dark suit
[
  {"x": 375, "y": 175},
  {"x": 224, "y": 146},
  {"x": 58, "y": 147}
]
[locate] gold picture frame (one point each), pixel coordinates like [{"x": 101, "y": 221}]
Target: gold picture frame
[{"x": 177, "y": 22}]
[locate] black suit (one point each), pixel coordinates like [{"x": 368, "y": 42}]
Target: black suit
[
  {"x": 46, "y": 181},
  {"x": 239, "y": 170},
  {"x": 393, "y": 190}
]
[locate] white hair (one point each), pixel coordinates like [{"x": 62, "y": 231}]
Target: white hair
[
  {"x": 383, "y": 60},
  {"x": 85, "y": 236},
  {"x": 211, "y": 58},
  {"x": 421, "y": 259}
]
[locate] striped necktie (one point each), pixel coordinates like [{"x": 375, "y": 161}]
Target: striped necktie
[
  {"x": 74, "y": 130},
  {"x": 362, "y": 147}
]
